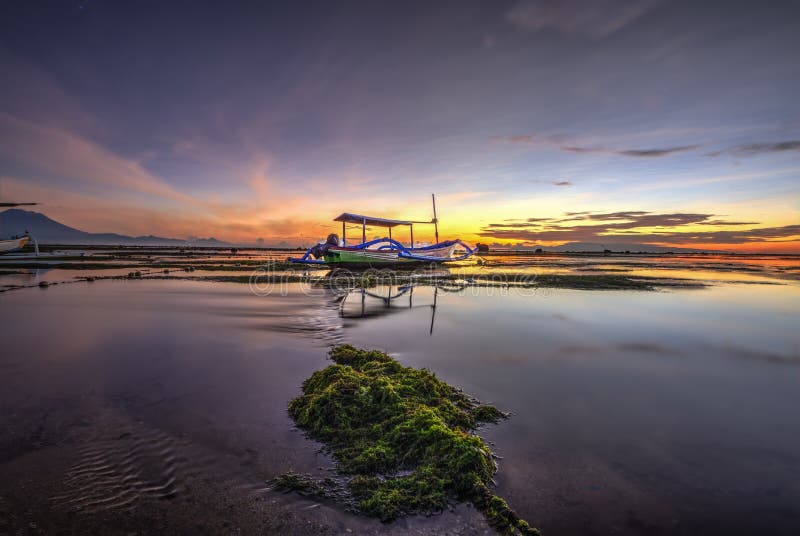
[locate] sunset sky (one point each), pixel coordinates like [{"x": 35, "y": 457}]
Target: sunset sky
[{"x": 534, "y": 122}]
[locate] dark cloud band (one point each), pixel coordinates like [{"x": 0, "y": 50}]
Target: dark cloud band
[{"x": 636, "y": 226}]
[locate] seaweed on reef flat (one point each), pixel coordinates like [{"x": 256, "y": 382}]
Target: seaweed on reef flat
[{"x": 403, "y": 437}]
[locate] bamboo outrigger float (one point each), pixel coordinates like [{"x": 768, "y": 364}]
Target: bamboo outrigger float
[{"x": 382, "y": 252}]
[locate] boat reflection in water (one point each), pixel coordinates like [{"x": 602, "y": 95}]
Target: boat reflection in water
[{"x": 361, "y": 303}]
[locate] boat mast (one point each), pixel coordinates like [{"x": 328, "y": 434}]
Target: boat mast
[{"x": 435, "y": 221}]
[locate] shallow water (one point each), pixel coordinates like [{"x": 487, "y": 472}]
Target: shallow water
[
  {"x": 664, "y": 411},
  {"x": 634, "y": 412}
]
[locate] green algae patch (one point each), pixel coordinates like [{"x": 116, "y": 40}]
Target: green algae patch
[
  {"x": 403, "y": 437},
  {"x": 309, "y": 486}
]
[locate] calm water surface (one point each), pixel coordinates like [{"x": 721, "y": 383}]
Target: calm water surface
[{"x": 634, "y": 412}]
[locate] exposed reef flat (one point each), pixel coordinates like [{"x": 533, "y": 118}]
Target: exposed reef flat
[{"x": 63, "y": 264}]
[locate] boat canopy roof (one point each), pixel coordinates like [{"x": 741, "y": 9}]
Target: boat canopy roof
[{"x": 370, "y": 220}]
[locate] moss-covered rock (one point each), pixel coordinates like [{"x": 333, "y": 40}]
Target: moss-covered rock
[{"x": 404, "y": 437}]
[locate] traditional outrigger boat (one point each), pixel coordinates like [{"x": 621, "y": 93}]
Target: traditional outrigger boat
[
  {"x": 13, "y": 244},
  {"x": 382, "y": 252},
  {"x": 16, "y": 243}
]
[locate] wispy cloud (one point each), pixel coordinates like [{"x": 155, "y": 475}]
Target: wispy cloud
[
  {"x": 57, "y": 152},
  {"x": 560, "y": 143},
  {"x": 591, "y": 18},
  {"x": 568, "y": 144},
  {"x": 554, "y": 183},
  {"x": 638, "y": 153},
  {"x": 753, "y": 149},
  {"x": 521, "y": 138},
  {"x": 727, "y": 223},
  {"x": 649, "y": 153}
]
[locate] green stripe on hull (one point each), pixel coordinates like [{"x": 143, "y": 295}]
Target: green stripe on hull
[
  {"x": 358, "y": 256},
  {"x": 368, "y": 258}
]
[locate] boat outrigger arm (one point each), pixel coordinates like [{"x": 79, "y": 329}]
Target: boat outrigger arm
[{"x": 381, "y": 251}]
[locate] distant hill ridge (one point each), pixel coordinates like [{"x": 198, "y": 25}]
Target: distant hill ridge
[{"x": 48, "y": 231}]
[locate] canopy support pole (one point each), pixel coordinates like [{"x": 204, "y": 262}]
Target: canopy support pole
[
  {"x": 412, "y": 235},
  {"x": 363, "y": 231},
  {"x": 435, "y": 221},
  {"x": 344, "y": 234}
]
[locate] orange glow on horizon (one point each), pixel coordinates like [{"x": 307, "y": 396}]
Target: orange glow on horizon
[{"x": 294, "y": 220}]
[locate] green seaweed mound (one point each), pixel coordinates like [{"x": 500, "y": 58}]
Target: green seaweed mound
[{"x": 404, "y": 436}]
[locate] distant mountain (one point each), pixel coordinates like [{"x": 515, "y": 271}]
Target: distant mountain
[{"x": 47, "y": 231}]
